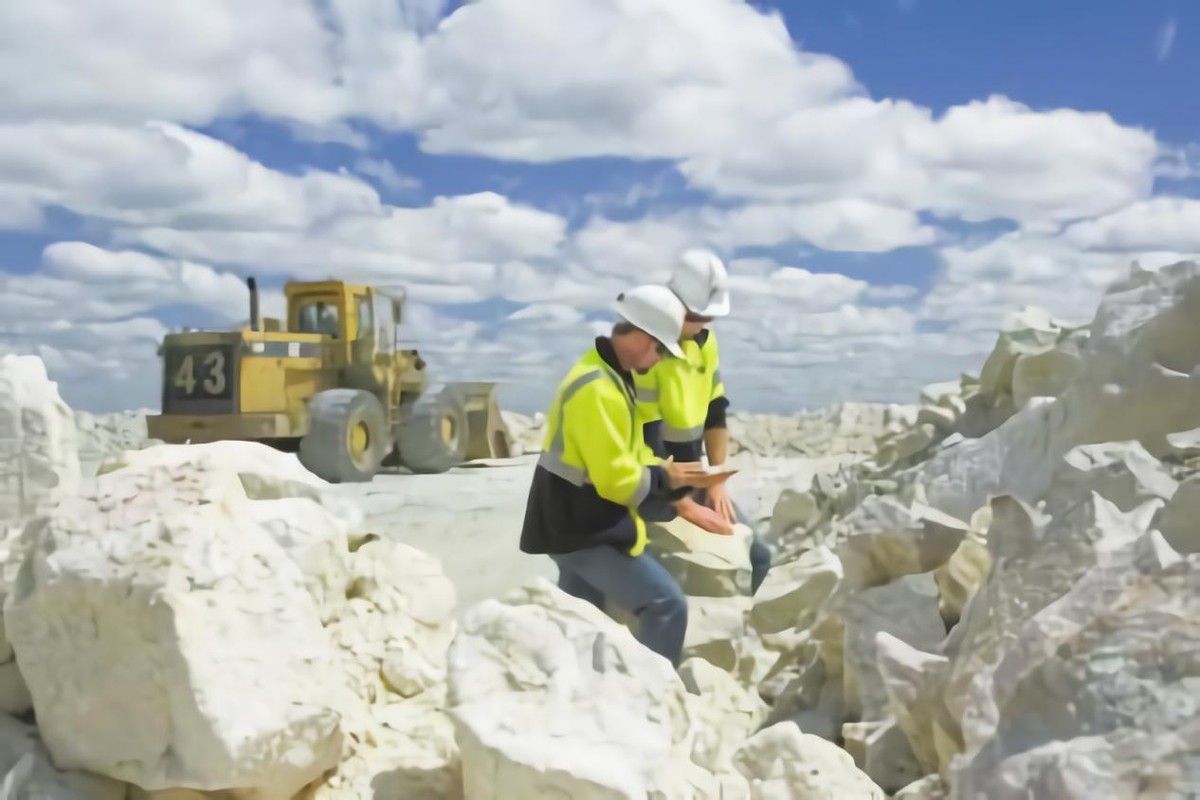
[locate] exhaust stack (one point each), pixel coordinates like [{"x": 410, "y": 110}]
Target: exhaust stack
[{"x": 255, "y": 317}]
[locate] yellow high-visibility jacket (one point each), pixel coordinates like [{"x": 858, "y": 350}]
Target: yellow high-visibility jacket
[
  {"x": 685, "y": 396},
  {"x": 595, "y": 469}
]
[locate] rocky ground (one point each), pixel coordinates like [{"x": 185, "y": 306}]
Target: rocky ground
[{"x": 990, "y": 593}]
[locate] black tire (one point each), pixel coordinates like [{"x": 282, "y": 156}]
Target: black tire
[
  {"x": 433, "y": 433},
  {"x": 333, "y": 449}
]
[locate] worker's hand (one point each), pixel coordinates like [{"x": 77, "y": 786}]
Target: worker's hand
[
  {"x": 703, "y": 517},
  {"x": 692, "y": 473},
  {"x": 718, "y": 500},
  {"x": 682, "y": 473}
]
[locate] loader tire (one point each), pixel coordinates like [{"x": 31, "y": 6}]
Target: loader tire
[
  {"x": 347, "y": 436},
  {"x": 433, "y": 433}
]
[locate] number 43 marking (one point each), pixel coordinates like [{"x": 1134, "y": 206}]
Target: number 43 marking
[{"x": 214, "y": 365}]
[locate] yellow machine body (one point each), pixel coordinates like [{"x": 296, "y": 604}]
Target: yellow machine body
[{"x": 258, "y": 383}]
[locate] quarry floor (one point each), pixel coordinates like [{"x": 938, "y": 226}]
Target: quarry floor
[{"x": 470, "y": 518}]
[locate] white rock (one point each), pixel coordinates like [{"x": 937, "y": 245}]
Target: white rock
[
  {"x": 793, "y": 593},
  {"x": 717, "y": 631},
  {"x": 398, "y": 622},
  {"x": 1121, "y": 472},
  {"x": 27, "y": 772},
  {"x": 265, "y": 473},
  {"x": 39, "y": 451},
  {"x": 914, "y": 681},
  {"x": 890, "y": 539},
  {"x": 931, "y": 787},
  {"x": 316, "y": 540},
  {"x": 908, "y": 610},
  {"x": 964, "y": 572},
  {"x": 1035, "y": 560},
  {"x": 392, "y": 636},
  {"x": 731, "y": 714},
  {"x": 169, "y": 641},
  {"x": 781, "y": 763},
  {"x": 106, "y": 436},
  {"x": 882, "y": 752},
  {"x": 704, "y": 564},
  {"x": 1096, "y": 696},
  {"x": 1137, "y": 381},
  {"x": 1178, "y": 523},
  {"x": 551, "y": 698}
]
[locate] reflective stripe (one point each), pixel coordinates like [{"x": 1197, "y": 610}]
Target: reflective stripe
[
  {"x": 552, "y": 459},
  {"x": 643, "y": 488},
  {"x": 558, "y": 444},
  {"x": 552, "y": 462},
  {"x": 647, "y": 395},
  {"x": 283, "y": 349},
  {"x": 673, "y": 434}
]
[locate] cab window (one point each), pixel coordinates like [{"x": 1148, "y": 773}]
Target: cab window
[{"x": 319, "y": 316}]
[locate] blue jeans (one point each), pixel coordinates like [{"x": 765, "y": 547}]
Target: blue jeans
[
  {"x": 760, "y": 553},
  {"x": 638, "y": 584}
]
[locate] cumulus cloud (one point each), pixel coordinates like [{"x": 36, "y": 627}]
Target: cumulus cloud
[
  {"x": 794, "y": 150},
  {"x": 1163, "y": 223}
]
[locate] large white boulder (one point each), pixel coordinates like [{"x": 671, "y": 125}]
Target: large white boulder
[
  {"x": 551, "y": 698},
  {"x": 167, "y": 638},
  {"x": 1035, "y": 561},
  {"x": 1097, "y": 694},
  {"x": 39, "y": 451}
]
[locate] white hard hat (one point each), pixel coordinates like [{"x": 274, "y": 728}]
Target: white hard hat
[
  {"x": 702, "y": 283},
  {"x": 657, "y": 311}
]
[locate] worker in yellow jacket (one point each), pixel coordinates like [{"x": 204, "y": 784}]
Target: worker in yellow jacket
[
  {"x": 682, "y": 401},
  {"x": 595, "y": 473}
]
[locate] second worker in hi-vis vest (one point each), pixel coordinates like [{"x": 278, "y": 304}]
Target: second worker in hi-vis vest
[
  {"x": 595, "y": 476},
  {"x": 682, "y": 402}
]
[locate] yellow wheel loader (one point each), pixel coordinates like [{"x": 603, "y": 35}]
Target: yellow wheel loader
[{"x": 332, "y": 385}]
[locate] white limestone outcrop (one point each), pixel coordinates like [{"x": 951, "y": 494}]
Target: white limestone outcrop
[
  {"x": 168, "y": 640},
  {"x": 551, "y": 698},
  {"x": 39, "y": 450}
]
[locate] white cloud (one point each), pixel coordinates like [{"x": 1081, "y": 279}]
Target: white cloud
[
  {"x": 979, "y": 161},
  {"x": 849, "y": 224},
  {"x": 980, "y": 286},
  {"x": 385, "y": 172},
  {"x": 798, "y": 289},
  {"x": 186, "y": 60},
  {"x": 162, "y": 174},
  {"x": 715, "y": 83},
  {"x": 442, "y": 243},
  {"x": 1162, "y": 223},
  {"x": 797, "y": 150}
]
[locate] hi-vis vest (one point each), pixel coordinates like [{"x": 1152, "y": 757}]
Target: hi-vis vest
[
  {"x": 678, "y": 392},
  {"x": 595, "y": 469}
]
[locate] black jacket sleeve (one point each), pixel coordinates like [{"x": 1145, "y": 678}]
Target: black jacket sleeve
[{"x": 716, "y": 413}]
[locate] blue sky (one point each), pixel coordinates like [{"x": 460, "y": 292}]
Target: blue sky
[{"x": 876, "y": 246}]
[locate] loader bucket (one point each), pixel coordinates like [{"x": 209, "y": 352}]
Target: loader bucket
[{"x": 487, "y": 435}]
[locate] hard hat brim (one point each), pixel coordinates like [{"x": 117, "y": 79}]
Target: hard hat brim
[
  {"x": 719, "y": 307},
  {"x": 672, "y": 346}
]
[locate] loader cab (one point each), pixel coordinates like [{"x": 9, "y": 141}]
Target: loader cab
[{"x": 360, "y": 317}]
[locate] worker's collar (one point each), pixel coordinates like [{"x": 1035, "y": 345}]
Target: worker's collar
[
  {"x": 608, "y": 354},
  {"x": 701, "y": 337}
]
